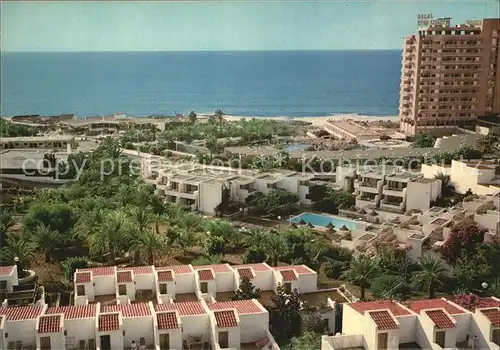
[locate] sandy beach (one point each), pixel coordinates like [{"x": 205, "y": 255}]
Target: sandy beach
[{"x": 319, "y": 121}]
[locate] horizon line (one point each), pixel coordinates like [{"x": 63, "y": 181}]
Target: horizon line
[{"x": 188, "y": 50}]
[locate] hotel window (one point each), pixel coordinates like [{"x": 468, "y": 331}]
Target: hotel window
[
  {"x": 163, "y": 288},
  {"x": 80, "y": 290},
  {"x": 122, "y": 289},
  {"x": 495, "y": 337}
]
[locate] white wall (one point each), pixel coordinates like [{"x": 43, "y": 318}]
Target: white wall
[
  {"x": 137, "y": 327},
  {"x": 490, "y": 220},
  {"x": 12, "y": 280},
  {"x": 57, "y": 340},
  {"x": 308, "y": 283},
  {"x": 407, "y": 328},
  {"x": 196, "y": 325},
  {"x": 185, "y": 283},
  {"x": 253, "y": 326},
  {"x": 210, "y": 196},
  {"x": 175, "y": 336},
  {"x": 104, "y": 285},
  {"x": 419, "y": 195},
  {"x": 144, "y": 281},
  {"x": 21, "y": 331},
  {"x": 462, "y": 326},
  {"x": 233, "y": 336},
  {"x": 80, "y": 329},
  {"x": 116, "y": 338},
  {"x": 263, "y": 280},
  {"x": 225, "y": 282}
]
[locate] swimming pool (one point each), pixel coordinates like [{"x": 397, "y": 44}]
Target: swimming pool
[
  {"x": 323, "y": 220},
  {"x": 296, "y": 147}
]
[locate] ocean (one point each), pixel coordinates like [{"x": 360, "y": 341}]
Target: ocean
[{"x": 277, "y": 83}]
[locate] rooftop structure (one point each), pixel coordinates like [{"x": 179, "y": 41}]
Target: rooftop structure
[
  {"x": 426, "y": 324},
  {"x": 450, "y": 75},
  {"x": 48, "y": 142},
  {"x": 479, "y": 176},
  {"x": 349, "y": 130}
]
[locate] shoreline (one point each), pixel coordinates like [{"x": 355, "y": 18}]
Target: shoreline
[{"x": 320, "y": 120}]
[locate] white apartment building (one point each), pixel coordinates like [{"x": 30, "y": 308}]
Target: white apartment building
[
  {"x": 201, "y": 187},
  {"x": 477, "y": 175},
  {"x": 425, "y": 324},
  {"x": 174, "y": 325},
  {"x": 395, "y": 190},
  {"x": 128, "y": 284},
  {"x": 425, "y": 233}
]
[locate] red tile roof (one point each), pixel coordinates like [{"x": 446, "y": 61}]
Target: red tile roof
[
  {"x": 129, "y": 310},
  {"x": 490, "y": 302},
  {"x": 246, "y": 272},
  {"x": 420, "y": 305},
  {"x": 206, "y": 275},
  {"x": 178, "y": 269},
  {"x": 74, "y": 311},
  {"x": 225, "y": 319},
  {"x": 288, "y": 275},
  {"x": 299, "y": 269},
  {"x": 242, "y": 306},
  {"x": 440, "y": 319},
  {"x": 82, "y": 277},
  {"x": 100, "y": 271},
  {"x": 187, "y": 308},
  {"x": 383, "y": 320},
  {"x": 18, "y": 313},
  {"x": 108, "y": 322},
  {"x": 138, "y": 270},
  {"x": 493, "y": 315},
  {"x": 49, "y": 324},
  {"x": 6, "y": 270},
  {"x": 164, "y": 276},
  {"x": 167, "y": 320},
  {"x": 394, "y": 308},
  {"x": 255, "y": 267},
  {"x": 124, "y": 276},
  {"x": 218, "y": 268}
]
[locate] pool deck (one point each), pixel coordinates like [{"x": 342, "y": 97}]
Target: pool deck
[{"x": 344, "y": 221}]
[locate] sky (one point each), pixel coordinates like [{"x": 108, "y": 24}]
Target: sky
[{"x": 223, "y": 25}]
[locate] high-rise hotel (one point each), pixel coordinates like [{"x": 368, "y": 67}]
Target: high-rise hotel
[{"x": 450, "y": 75}]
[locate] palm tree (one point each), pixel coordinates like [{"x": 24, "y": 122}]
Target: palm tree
[
  {"x": 447, "y": 189},
  {"x": 186, "y": 239},
  {"x": 18, "y": 247},
  {"x": 6, "y": 223},
  {"x": 221, "y": 228},
  {"x": 142, "y": 221},
  {"x": 276, "y": 247},
  {"x": 109, "y": 238},
  {"x": 47, "y": 240},
  {"x": 432, "y": 274},
  {"x": 361, "y": 272},
  {"x": 219, "y": 114},
  {"x": 148, "y": 242},
  {"x": 192, "y": 117}
]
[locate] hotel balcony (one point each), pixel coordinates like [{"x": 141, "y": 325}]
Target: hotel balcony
[
  {"x": 391, "y": 204},
  {"x": 370, "y": 185},
  {"x": 394, "y": 191}
]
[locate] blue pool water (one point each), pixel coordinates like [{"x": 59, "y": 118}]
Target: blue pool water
[
  {"x": 323, "y": 220},
  {"x": 296, "y": 147}
]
